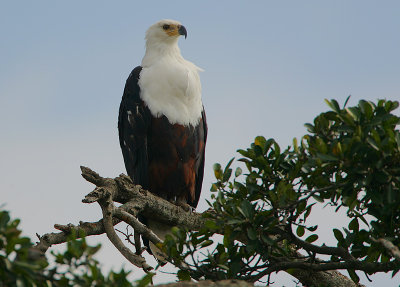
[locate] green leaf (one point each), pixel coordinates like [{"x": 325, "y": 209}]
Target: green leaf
[
  {"x": 312, "y": 238},
  {"x": 326, "y": 157},
  {"x": 227, "y": 235},
  {"x": 266, "y": 239},
  {"x": 236, "y": 266},
  {"x": 391, "y": 105},
  {"x": 301, "y": 207},
  {"x": 312, "y": 228},
  {"x": 207, "y": 243},
  {"x": 251, "y": 233},
  {"x": 229, "y": 165},
  {"x": 353, "y": 275},
  {"x": 390, "y": 194},
  {"x": 227, "y": 175},
  {"x": 321, "y": 145},
  {"x": 146, "y": 280},
  {"x": 337, "y": 149},
  {"x": 338, "y": 234},
  {"x": 295, "y": 145},
  {"x": 277, "y": 149},
  {"x": 211, "y": 224},
  {"x": 4, "y": 219},
  {"x": 354, "y": 113},
  {"x": 184, "y": 275},
  {"x": 397, "y": 269},
  {"x": 395, "y": 105},
  {"x": 333, "y": 104},
  {"x": 246, "y": 209},
  {"x": 353, "y": 225},
  {"x": 346, "y": 101},
  {"x": 366, "y": 108},
  {"x": 364, "y": 220},
  {"x": 222, "y": 266},
  {"x": 175, "y": 231},
  {"x": 318, "y": 198},
  {"x": 261, "y": 142},
  {"x": 238, "y": 171},
  {"x": 300, "y": 231},
  {"x": 217, "y": 170},
  {"x": 308, "y": 211},
  {"x": 310, "y": 128},
  {"x": 372, "y": 143}
]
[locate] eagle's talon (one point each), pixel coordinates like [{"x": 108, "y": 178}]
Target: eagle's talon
[{"x": 186, "y": 207}]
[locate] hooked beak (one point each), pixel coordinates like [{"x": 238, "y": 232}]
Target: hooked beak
[{"x": 182, "y": 31}]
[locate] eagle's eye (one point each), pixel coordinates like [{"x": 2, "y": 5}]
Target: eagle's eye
[{"x": 165, "y": 26}]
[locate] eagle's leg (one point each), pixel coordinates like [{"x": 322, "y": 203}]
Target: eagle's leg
[{"x": 182, "y": 202}]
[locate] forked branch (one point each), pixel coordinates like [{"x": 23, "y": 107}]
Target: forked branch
[{"x": 135, "y": 200}]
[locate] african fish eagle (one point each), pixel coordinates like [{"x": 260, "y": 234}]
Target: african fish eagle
[{"x": 162, "y": 124}]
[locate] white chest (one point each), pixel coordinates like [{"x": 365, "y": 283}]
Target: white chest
[{"x": 172, "y": 87}]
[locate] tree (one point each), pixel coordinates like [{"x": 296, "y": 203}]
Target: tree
[
  {"x": 23, "y": 265},
  {"x": 349, "y": 160}
]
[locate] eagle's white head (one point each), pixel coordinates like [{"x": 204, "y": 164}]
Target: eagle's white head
[
  {"x": 162, "y": 39},
  {"x": 165, "y": 31}
]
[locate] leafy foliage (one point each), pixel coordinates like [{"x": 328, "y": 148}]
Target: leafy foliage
[
  {"x": 15, "y": 268},
  {"x": 21, "y": 265},
  {"x": 350, "y": 159}
]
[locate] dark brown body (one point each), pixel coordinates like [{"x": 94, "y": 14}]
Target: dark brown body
[{"x": 176, "y": 160}]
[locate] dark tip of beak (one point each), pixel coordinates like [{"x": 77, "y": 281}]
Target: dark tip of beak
[{"x": 182, "y": 31}]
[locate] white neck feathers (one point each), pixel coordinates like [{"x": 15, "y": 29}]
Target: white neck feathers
[{"x": 169, "y": 84}]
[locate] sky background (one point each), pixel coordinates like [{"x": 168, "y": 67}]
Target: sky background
[{"x": 268, "y": 65}]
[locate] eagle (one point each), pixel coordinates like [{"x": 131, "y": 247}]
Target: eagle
[{"x": 162, "y": 123}]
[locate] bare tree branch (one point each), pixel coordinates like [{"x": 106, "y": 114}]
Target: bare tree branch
[
  {"x": 137, "y": 225},
  {"x": 311, "y": 193},
  {"x": 123, "y": 190},
  {"x": 208, "y": 283},
  {"x": 328, "y": 250},
  {"x": 323, "y": 278},
  {"x": 107, "y": 208},
  {"x": 369, "y": 267},
  {"x": 86, "y": 228},
  {"x": 136, "y": 200},
  {"x": 390, "y": 247}
]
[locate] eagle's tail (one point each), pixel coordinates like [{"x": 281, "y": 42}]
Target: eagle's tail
[{"x": 161, "y": 230}]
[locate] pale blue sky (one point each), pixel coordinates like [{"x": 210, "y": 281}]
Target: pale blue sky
[{"x": 268, "y": 67}]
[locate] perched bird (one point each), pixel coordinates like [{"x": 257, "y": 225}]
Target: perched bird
[{"x": 162, "y": 124}]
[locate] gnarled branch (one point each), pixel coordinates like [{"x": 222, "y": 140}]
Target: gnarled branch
[
  {"x": 390, "y": 247},
  {"x": 135, "y": 200},
  {"x": 107, "y": 207}
]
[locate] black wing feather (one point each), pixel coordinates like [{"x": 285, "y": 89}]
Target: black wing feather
[
  {"x": 200, "y": 169},
  {"x": 133, "y": 122}
]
